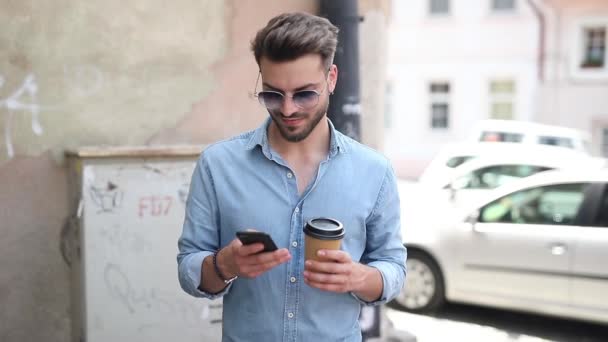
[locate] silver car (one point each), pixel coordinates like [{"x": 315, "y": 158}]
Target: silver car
[{"x": 539, "y": 244}]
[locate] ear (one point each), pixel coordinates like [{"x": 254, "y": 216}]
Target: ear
[{"x": 333, "y": 78}]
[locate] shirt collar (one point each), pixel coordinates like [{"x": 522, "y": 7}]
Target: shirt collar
[{"x": 259, "y": 137}]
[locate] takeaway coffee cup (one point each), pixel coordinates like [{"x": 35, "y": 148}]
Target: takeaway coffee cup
[{"x": 322, "y": 233}]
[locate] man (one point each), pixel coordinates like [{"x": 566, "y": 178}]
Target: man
[{"x": 294, "y": 167}]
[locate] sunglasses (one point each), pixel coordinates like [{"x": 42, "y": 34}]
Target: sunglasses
[{"x": 273, "y": 100}]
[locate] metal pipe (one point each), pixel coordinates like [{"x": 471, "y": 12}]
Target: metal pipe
[{"x": 345, "y": 107}]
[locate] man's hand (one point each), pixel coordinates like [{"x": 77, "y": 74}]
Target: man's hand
[
  {"x": 246, "y": 261},
  {"x": 337, "y": 272}
]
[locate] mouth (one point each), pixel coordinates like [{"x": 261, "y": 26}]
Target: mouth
[{"x": 292, "y": 122}]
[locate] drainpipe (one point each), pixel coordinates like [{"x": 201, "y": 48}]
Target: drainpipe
[
  {"x": 541, "y": 39},
  {"x": 345, "y": 107}
]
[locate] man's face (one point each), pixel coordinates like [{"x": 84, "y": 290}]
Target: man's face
[{"x": 305, "y": 73}]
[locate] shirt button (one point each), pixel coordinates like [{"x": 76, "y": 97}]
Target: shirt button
[
  {"x": 292, "y": 279},
  {"x": 297, "y": 210},
  {"x": 290, "y": 315},
  {"x": 295, "y": 243},
  {"x": 289, "y": 175}
]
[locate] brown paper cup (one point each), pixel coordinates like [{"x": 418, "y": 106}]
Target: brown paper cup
[{"x": 322, "y": 233}]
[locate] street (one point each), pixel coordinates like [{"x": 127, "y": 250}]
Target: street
[{"x": 456, "y": 322}]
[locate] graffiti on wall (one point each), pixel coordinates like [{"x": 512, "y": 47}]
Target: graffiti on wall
[{"x": 82, "y": 80}]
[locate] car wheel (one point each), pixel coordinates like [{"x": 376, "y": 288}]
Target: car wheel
[{"x": 424, "y": 289}]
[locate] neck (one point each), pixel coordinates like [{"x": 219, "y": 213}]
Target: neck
[{"x": 314, "y": 146}]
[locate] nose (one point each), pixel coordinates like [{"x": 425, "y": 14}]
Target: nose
[{"x": 288, "y": 107}]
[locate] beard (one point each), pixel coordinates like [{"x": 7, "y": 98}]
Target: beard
[{"x": 297, "y": 134}]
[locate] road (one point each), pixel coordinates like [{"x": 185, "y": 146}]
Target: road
[{"x": 457, "y": 322}]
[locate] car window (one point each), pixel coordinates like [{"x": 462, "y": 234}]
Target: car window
[
  {"x": 555, "y": 205},
  {"x": 556, "y": 141},
  {"x": 495, "y": 136},
  {"x": 602, "y": 216},
  {"x": 456, "y": 161},
  {"x": 496, "y": 175}
]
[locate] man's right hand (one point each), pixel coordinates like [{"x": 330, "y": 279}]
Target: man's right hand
[{"x": 246, "y": 261}]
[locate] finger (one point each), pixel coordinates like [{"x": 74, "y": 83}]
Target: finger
[
  {"x": 262, "y": 258},
  {"x": 261, "y": 268},
  {"x": 325, "y": 278},
  {"x": 247, "y": 250},
  {"x": 335, "y": 255},
  {"x": 327, "y": 267},
  {"x": 265, "y": 257},
  {"x": 236, "y": 243},
  {"x": 327, "y": 287}
]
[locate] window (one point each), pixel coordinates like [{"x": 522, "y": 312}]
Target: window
[
  {"x": 594, "y": 47},
  {"x": 605, "y": 142},
  {"x": 556, "y": 141},
  {"x": 601, "y": 220},
  {"x": 503, "y": 5},
  {"x": 457, "y": 161},
  {"x": 491, "y": 136},
  {"x": 440, "y": 106},
  {"x": 491, "y": 177},
  {"x": 502, "y": 98},
  {"x": 554, "y": 205},
  {"x": 439, "y": 6}
]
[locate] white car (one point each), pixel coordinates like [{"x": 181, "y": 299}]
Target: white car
[
  {"x": 539, "y": 244},
  {"x": 526, "y": 132},
  {"x": 443, "y": 166},
  {"x": 474, "y": 179}
]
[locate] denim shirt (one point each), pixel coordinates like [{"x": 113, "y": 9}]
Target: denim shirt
[{"x": 242, "y": 183}]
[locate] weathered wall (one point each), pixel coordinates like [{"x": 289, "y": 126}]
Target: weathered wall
[
  {"x": 111, "y": 73},
  {"x": 93, "y": 73}
]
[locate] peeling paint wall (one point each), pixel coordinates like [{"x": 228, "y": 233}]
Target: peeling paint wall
[{"x": 111, "y": 73}]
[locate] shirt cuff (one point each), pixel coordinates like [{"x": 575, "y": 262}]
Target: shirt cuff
[
  {"x": 190, "y": 276},
  {"x": 380, "y": 266}
]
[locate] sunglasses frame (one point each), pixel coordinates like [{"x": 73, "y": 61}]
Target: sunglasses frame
[{"x": 257, "y": 94}]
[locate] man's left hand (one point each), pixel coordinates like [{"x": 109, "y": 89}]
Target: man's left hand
[{"x": 335, "y": 272}]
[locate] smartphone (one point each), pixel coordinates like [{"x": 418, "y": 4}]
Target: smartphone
[{"x": 249, "y": 237}]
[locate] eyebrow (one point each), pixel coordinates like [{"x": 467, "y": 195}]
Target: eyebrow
[{"x": 308, "y": 85}]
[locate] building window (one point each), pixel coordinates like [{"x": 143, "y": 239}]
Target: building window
[
  {"x": 594, "y": 47},
  {"x": 440, "y": 105},
  {"x": 439, "y": 6},
  {"x": 503, "y": 5},
  {"x": 605, "y": 142},
  {"x": 502, "y": 99}
]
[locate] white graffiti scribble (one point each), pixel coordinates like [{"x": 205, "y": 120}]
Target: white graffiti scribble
[
  {"x": 85, "y": 80},
  {"x": 137, "y": 299},
  {"x": 22, "y": 99}
]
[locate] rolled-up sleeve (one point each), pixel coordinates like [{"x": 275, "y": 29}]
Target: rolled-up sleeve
[
  {"x": 200, "y": 232},
  {"x": 384, "y": 249}
]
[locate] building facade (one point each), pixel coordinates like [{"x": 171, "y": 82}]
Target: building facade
[{"x": 454, "y": 62}]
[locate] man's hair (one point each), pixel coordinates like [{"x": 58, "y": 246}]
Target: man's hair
[{"x": 289, "y": 36}]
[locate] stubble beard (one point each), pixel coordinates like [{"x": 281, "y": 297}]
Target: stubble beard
[{"x": 287, "y": 132}]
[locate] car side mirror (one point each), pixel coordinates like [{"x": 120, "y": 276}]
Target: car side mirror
[
  {"x": 473, "y": 218},
  {"x": 452, "y": 191},
  {"x": 456, "y": 185}
]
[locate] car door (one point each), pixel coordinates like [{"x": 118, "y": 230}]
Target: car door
[
  {"x": 518, "y": 252},
  {"x": 590, "y": 257}
]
